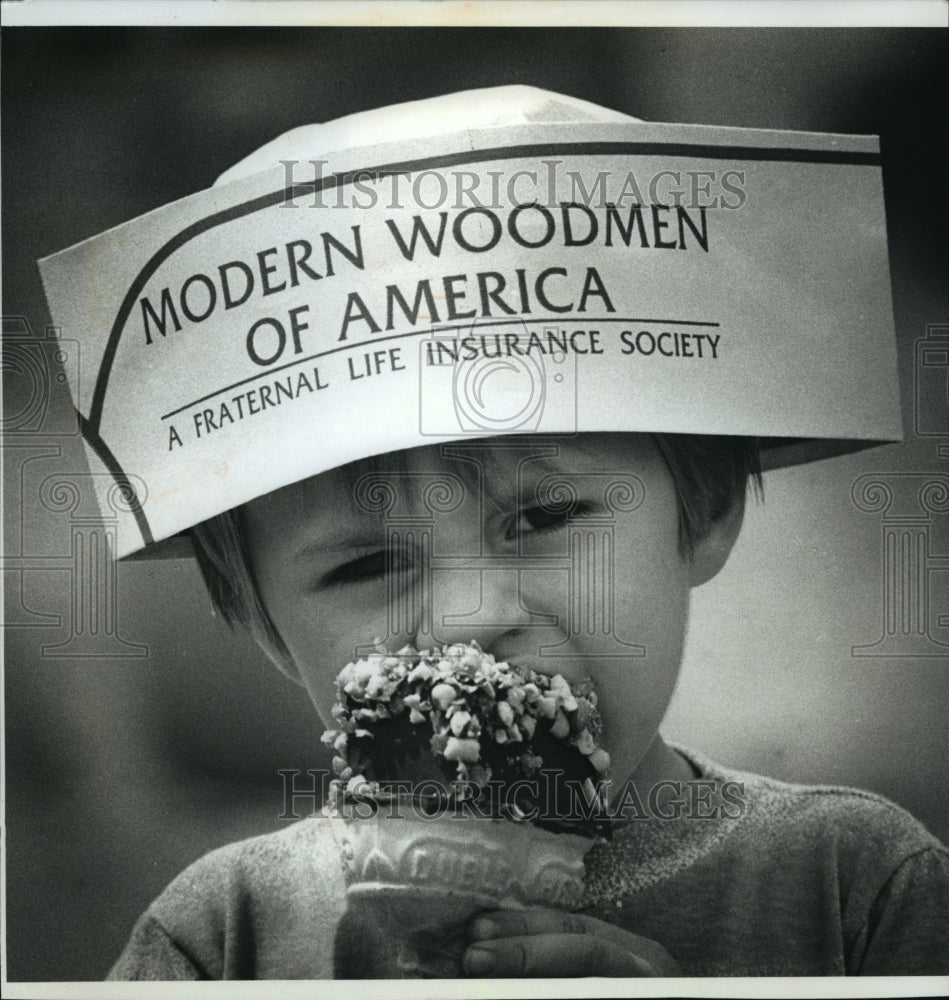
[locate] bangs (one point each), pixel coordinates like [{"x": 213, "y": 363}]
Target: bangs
[{"x": 489, "y": 466}]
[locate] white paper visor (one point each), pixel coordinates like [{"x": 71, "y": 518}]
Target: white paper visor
[{"x": 543, "y": 279}]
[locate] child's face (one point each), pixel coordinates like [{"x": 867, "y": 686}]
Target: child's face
[{"x": 320, "y": 558}]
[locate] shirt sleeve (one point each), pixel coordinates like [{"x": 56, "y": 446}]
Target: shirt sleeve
[
  {"x": 152, "y": 954},
  {"x": 907, "y": 930},
  {"x": 263, "y": 908}
]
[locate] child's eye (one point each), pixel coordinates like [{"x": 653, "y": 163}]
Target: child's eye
[
  {"x": 363, "y": 569},
  {"x": 539, "y": 519}
]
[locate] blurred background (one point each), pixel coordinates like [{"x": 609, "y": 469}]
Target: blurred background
[{"x": 121, "y": 770}]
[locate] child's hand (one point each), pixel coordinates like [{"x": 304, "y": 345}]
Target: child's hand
[{"x": 550, "y": 943}]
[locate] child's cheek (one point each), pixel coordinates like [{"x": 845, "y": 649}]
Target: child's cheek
[
  {"x": 322, "y": 634},
  {"x": 651, "y": 611}
]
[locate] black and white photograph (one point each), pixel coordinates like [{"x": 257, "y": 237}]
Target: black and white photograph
[{"x": 475, "y": 491}]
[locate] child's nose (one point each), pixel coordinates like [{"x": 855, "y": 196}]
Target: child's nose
[{"x": 484, "y": 604}]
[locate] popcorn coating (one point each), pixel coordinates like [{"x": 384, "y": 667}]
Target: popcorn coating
[{"x": 469, "y": 706}]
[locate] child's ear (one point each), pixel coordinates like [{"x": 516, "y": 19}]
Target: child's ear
[{"x": 711, "y": 552}]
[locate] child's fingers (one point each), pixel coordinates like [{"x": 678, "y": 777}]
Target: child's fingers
[
  {"x": 554, "y": 956},
  {"x": 516, "y": 923},
  {"x": 594, "y": 940},
  {"x": 519, "y": 923}
]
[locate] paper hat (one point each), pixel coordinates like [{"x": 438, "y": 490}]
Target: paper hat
[{"x": 489, "y": 262}]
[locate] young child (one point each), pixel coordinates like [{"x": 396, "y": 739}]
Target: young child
[
  {"x": 798, "y": 881},
  {"x": 709, "y": 872}
]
